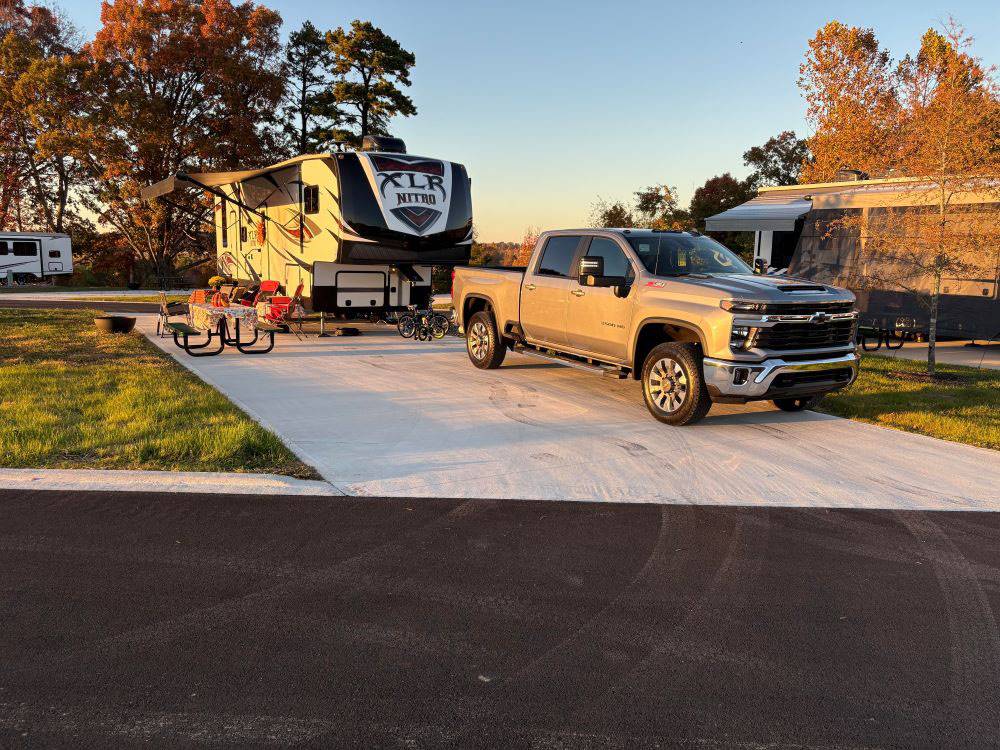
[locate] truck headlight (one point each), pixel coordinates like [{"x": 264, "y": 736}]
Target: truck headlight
[
  {"x": 742, "y": 337},
  {"x": 737, "y": 306}
]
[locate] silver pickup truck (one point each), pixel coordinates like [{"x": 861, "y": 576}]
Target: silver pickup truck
[{"x": 676, "y": 310}]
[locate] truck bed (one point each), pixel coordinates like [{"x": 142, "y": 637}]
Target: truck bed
[{"x": 499, "y": 285}]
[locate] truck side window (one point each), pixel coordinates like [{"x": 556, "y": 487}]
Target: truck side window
[
  {"x": 557, "y": 257},
  {"x": 310, "y": 199},
  {"x": 615, "y": 262},
  {"x": 4, "y": 250}
]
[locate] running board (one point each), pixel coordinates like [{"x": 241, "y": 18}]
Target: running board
[{"x": 608, "y": 371}]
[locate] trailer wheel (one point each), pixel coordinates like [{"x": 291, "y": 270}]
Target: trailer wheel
[
  {"x": 797, "y": 404},
  {"x": 673, "y": 386},
  {"x": 482, "y": 341}
]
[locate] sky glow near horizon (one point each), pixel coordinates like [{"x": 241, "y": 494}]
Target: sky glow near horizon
[{"x": 552, "y": 104}]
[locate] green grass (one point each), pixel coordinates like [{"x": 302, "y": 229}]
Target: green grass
[
  {"x": 71, "y": 398},
  {"x": 894, "y": 393}
]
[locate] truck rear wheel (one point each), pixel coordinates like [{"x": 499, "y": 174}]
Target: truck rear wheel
[
  {"x": 482, "y": 341},
  {"x": 673, "y": 386}
]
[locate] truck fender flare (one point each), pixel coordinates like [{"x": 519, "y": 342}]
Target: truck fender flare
[
  {"x": 475, "y": 295},
  {"x": 685, "y": 324}
]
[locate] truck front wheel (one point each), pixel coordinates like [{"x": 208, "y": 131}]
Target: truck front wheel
[
  {"x": 673, "y": 386},
  {"x": 482, "y": 341}
]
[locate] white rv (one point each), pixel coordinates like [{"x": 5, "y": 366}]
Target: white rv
[
  {"x": 360, "y": 230},
  {"x": 26, "y": 257}
]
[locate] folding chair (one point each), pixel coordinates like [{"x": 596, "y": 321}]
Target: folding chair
[{"x": 168, "y": 310}]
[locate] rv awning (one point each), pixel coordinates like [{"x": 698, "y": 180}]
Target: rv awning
[
  {"x": 182, "y": 181},
  {"x": 776, "y": 213}
]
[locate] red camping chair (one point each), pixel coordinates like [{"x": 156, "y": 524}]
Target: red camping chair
[
  {"x": 282, "y": 311},
  {"x": 265, "y": 289}
]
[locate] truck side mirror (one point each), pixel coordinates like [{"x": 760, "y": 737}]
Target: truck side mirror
[
  {"x": 760, "y": 266},
  {"x": 592, "y": 274},
  {"x": 591, "y": 265}
]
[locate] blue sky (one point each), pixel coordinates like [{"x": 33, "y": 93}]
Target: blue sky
[{"x": 550, "y": 104}]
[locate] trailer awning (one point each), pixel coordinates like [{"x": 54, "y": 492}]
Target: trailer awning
[
  {"x": 182, "y": 180},
  {"x": 777, "y": 213}
]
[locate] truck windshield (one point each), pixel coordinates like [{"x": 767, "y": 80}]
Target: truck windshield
[{"x": 675, "y": 254}]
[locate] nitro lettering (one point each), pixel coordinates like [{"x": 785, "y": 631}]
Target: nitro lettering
[{"x": 402, "y": 198}]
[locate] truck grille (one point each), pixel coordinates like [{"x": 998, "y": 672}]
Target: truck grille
[
  {"x": 799, "y": 308},
  {"x": 792, "y": 336},
  {"x": 796, "y": 379}
]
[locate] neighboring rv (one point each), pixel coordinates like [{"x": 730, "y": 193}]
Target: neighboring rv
[
  {"x": 797, "y": 231},
  {"x": 26, "y": 257},
  {"x": 360, "y": 230}
]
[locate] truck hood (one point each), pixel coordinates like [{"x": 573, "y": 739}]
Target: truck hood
[{"x": 753, "y": 287}]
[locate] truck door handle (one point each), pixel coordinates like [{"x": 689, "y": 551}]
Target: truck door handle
[
  {"x": 530, "y": 287},
  {"x": 578, "y": 292}
]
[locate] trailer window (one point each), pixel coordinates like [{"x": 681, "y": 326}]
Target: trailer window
[
  {"x": 310, "y": 199},
  {"x": 25, "y": 249},
  {"x": 557, "y": 257},
  {"x": 4, "y": 250},
  {"x": 55, "y": 253},
  {"x": 224, "y": 225}
]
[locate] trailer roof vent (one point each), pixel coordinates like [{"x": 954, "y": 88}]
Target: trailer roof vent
[
  {"x": 384, "y": 143},
  {"x": 850, "y": 175}
]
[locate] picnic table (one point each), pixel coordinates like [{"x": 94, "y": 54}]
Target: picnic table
[
  {"x": 209, "y": 318},
  {"x": 214, "y": 321}
]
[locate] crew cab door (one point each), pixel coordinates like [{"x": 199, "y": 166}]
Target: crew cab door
[
  {"x": 598, "y": 318},
  {"x": 545, "y": 290}
]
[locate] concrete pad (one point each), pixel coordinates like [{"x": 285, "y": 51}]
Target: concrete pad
[
  {"x": 100, "y": 480},
  {"x": 380, "y": 415},
  {"x": 950, "y": 353}
]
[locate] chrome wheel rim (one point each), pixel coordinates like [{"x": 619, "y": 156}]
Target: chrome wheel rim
[
  {"x": 667, "y": 385},
  {"x": 479, "y": 340}
]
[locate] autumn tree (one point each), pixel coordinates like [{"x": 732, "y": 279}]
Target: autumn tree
[
  {"x": 779, "y": 161},
  {"x": 849, "y": 86},
  {"x": 719, "y": 194},
  {"x": 40, "y": 95},
  {"x": 312, "y": 116},
  {"x": 180, "y": 86},
  {"x": 372, "y": 66},
  {"x": 946, "y": 223},
  {"x": 656, "y": 207},
  {"x": 606, "y": 214}
]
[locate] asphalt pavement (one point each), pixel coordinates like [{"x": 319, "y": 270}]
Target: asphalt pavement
[{"x": 204, "y": 620}]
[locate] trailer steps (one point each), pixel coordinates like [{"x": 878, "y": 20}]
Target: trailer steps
[{"x": 608, "y": 371}]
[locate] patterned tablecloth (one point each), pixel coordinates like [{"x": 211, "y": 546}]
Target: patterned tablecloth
[{"x": 207, "y": 317}]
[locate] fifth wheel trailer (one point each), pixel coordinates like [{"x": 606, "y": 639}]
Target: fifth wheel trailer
[
  {"x": 360, "y": 230},
  {"x": 34, "y": 256},
  {"x": 801, "y": 228}
]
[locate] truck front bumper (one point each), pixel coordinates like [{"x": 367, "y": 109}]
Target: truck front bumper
[{"x": 736, "y": 382}]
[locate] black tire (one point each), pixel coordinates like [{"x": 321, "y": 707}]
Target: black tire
[
  {"x": 483, "y": 342},
  {"x": 406, "y": 325},
  {"x": 797, "y": 404},
  {"x": 673, "y": 385}
]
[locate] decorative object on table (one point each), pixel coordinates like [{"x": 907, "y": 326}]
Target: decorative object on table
[
  {"x": 205, "y": 317},
  {"x": 198, "y": 297},
  {"x": 114, "y": 324},
  {"x": 216, "y": 282},
  {"x": 220, "y": 299}
]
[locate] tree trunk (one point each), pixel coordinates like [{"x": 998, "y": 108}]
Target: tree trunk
[{"x": 932, "y": 328}]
